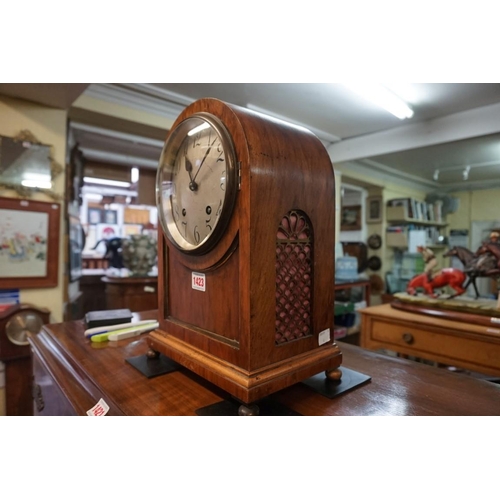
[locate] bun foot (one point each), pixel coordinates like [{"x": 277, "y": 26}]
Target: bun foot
[
  {"x": 335, "y": 374},
  {"x": 248, "y": 411},
  {"x": 152, "y": 354}
]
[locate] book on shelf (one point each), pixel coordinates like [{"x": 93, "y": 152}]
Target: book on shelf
[{"x": 419, "y": 210}]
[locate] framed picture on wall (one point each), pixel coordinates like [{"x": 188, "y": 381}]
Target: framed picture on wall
[
  {"x": 76, "y": 242},
  {"x": 374, "y": 209},
  {"x": 350, "y": 218},
  {"x": 94, "y": 215},
  {"x": 29, "y": 243},
  {"x": 110, "y": 217}
]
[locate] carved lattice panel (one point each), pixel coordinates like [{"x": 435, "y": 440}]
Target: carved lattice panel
[{"x": 294, "y": 249}]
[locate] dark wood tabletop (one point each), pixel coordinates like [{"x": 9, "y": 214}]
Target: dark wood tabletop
[{"x": 85, "y": 372}]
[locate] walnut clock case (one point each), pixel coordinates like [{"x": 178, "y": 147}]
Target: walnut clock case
[{"x": 246, "y": 275}]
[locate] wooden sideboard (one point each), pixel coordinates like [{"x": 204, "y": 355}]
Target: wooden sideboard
[
  {"x": 72, "y": 375},
  {"x": 455, "y": 343},
  {"x": 136, "y": 294}
]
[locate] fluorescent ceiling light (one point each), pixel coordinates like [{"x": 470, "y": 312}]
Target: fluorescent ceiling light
[
  {"x": 106, "y": 182},
  {"x": 134, "y": 175},
  {"x": 108, "y": 191},
  {"x": 93, "y": 196},
  {"x": 383, "y": 97}
]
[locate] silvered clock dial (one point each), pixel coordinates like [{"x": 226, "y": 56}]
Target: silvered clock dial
[{"x": 196, "y": 183}]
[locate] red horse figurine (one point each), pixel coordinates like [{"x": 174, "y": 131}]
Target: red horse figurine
[{"x": 447, "y": 276}]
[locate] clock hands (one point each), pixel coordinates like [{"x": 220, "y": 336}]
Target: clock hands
[
  {"x": 189, "y": 168},
  {"x": 203, "y": 161}
]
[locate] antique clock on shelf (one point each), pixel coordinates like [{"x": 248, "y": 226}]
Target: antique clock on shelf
[
  {"x": 246, "y": 266},
  {"x": 16, "y": 323}
]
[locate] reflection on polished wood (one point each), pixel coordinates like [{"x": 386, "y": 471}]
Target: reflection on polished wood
[
  {"x": 73, "y": 374},
  {"x": 137, "y": 294}
]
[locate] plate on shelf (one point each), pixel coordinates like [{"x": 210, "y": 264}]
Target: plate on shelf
[{"x": 375, "y": 241}]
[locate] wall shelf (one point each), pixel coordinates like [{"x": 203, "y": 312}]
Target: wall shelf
[
  {"x": 417, "y": 222},
  {"x": 398, "y": 215}
]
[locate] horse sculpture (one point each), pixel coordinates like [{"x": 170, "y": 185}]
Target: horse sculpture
[
  {"x": 448, "y": 276},
  {"x": 475, "y": 265},
  {"x": 492, "y": 249},
  {"x": 113, "y": 251}
]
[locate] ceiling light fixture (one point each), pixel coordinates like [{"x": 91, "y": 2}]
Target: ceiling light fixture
[
  {"x": 436, "y": 174},
  {"x": 134, "y": 175},
  {"x": 465, "y": 174},
  {"x": 383, "y": 97},
  {"x": 106, "y": 182}
]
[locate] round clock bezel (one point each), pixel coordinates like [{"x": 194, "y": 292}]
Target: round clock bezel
[
  {"x": 10, "y": 324},
  {"x": 166, "y": 170}
]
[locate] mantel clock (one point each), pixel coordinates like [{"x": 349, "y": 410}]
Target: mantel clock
[
  {"x": 246, "y": 264},
  {"x": 17, "y": 322}
]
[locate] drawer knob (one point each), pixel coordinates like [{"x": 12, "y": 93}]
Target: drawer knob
[{"x": 408, "y": 338}]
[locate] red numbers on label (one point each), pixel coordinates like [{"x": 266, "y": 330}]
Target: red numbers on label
[
  {"x": 98, "y": 411},
  {"x": 199, "y": 281}
]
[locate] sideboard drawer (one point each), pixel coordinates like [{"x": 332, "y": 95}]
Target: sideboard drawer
[{"x": 420, "y": 341}]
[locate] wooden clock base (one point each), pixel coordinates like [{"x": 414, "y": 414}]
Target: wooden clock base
[{"x": 244, "y": 385}]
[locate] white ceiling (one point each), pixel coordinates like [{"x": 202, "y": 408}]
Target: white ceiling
[{"x": 455, "y": 125}]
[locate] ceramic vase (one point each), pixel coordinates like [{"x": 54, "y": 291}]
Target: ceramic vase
[{"x": 139, "y": 253}]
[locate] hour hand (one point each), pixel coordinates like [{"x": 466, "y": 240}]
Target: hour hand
[{"x": 189, "y": 168}]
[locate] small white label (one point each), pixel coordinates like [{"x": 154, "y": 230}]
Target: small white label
[
  {"x": 324, "y": 336},
  {"x": 99, "y": 410},
  {"x": 198, "y": 281}
]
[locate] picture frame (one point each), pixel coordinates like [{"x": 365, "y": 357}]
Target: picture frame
[
  {"x": 74, "y": 179},
  {"x": 350, "y": 218},
  {"x": 76, "y": 243},
  {"x": 374, "y": 206},
  {"x": 110, "y": 217},
  {"x": 27, "y": 166},
  {"x": 29, "y": 243},
  {"x": 94, "y": 215}
]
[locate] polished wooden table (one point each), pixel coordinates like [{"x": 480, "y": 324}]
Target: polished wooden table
[
  {"x": 457, "y": 343},
  {"x": 72, "y": 375}
]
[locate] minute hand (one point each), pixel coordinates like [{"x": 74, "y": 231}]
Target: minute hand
[{"x": 204, "y": 158}]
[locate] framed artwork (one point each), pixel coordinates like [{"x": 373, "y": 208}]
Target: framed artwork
[
  {"x": 29, "y": 243},
  {"x": 350, "y": 218},
  {"x": 94, "y": 216},
  {"x": 76, "y": 243},
  {"x": 110, "y": 217},
  {"x": 27, "y": 166},
  {"x": 374, "y": 209},
  {"x": 74, "y": 178}
]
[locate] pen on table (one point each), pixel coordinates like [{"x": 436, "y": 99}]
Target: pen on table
[
  {"x": 124, "y": 333},
  {"x": 105, "y": 329}
]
